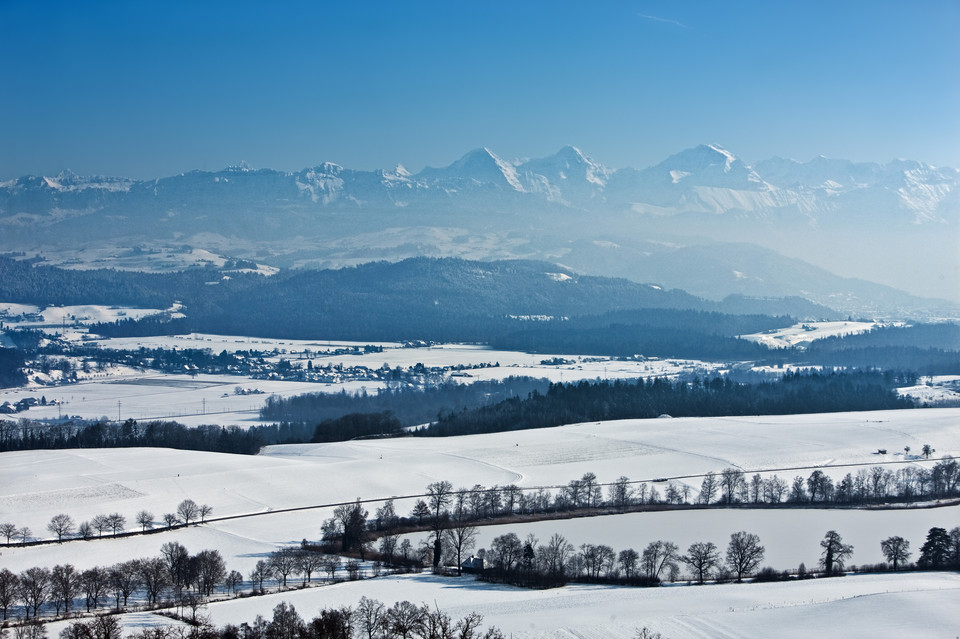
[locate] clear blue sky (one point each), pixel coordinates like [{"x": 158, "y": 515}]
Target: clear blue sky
[{"x": 146, "y": 88}]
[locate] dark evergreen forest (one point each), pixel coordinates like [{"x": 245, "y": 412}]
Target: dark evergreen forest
[
  {"x": 928, "y": 349},
  {"x": 584, "y": 402},
  {"x": 409, "y": 406},
  {"x": 417, "y": 299},
  {"x": 11, "y": 368}
]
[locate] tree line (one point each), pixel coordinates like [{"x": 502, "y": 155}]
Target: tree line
[
  {"x": 62, "y": 525},
  {"x": 730, "y": 487},
  {"x": 928, "y": 349},
  {"x": 556, "y": 562},
  {"x": 452, "y": 517},
  {"x": 74, "y": 433},
  {"x": 795, "y": 393},
  {"x": 559, "y": 404},
  {"x": 369, "y": 619},
  {"x": 408, "y": 405},
  {"x": 174, "y": 575}
]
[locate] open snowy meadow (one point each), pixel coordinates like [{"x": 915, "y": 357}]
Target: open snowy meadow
[{"x": 35, "y": 485}]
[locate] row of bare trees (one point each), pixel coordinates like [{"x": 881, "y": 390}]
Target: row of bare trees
[
  {"x": 302, "y": 562},
  {"x": 873, "y": 484},
  {"x": 62, "y": 526},
  {"x": 174, "y": 575},
  {"x": 529, "y": 562},
  {"x": 369, "y": 619},
  {"x": 730, "y": 486}
]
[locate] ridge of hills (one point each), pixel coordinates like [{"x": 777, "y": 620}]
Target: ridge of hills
[
  {"x": 417, "y": 298},
  {"x": 702, "y": 220}
]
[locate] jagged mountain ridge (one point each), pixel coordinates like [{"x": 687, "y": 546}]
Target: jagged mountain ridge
[
  {"x": 890, "y": 223},
  {"x": 569, "y": 176}
]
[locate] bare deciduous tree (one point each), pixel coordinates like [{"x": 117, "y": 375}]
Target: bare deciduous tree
[
  {"x": 124, "y": 579},
  {"x": 835, "y": 552},
  {"x": 116, "y": 522},
  {"x": 657, "y": 556},
  {"x": 744, "y": 553},
  {"x": 145, "y": 519},
  {"x": 896, "y": 549},
  {"x": 283, "y": 562},
  {"x": 153, "y": 576},
  {"x": 260, "y": 573},
  {"x": 372, "y": 618},
  {"x": 188, "y": 511},
  {"x": 34, "y": 588},
  {"x": 308, "y": 562},
  {"x": 61, "y": 525},
  {"x": 9, "y": 588},
  {"x": 100, "y": 523},
  {"x": 461, "y": 536},
  {"x": 65, "y": 585},
  {"x": 233, "y": 581},
  {"x": 703, "y": 558},
  {"x": 95, "y": 581},
  {"x": 85, "y": 530},
  {"x": 8, "y": 530}
]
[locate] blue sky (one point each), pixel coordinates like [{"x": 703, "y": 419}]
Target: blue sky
[{"x": 144, "y": 89}]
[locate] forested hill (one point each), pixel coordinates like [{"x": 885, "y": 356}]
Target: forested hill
[
  {"x": 420, "y": 298},
  {"x": 588, "y": 402}
]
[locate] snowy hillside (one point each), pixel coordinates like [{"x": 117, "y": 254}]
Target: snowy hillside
[{"x": 35, "y": 485}]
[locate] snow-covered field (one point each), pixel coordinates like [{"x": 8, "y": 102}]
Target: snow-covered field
[
  {"x": 803, "y": 334},
  {"x": 908, "y": 605},
  {"x": 56, "y": 317},
  {"x": 937, "y": 390},
  {"x": 35, "y": 485},
  {"x": 190, "y": 399}
]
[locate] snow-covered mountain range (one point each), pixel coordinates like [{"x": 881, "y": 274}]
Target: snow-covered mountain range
[{"x": 895, "y": 224}]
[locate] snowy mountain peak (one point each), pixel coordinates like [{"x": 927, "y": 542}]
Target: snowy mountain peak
[
  {"x": 707, "y": 165},
  {"x": 481, "y": 166},
  {"x": 241, "y": 167},
  {"x": 729, "y": 158},
  {"x": 567, "y": 166},
  {"x": 573, "y": 154},
  {"x": 68, "y": 180},
  {"x": 326, "y": 168}
]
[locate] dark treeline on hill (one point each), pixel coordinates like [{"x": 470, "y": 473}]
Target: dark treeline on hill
[
  {"x": 924, "y": 361},
  {"x": 928, "y": 349},
  {"x": 944, "y": 336},
  {"x": 416, "y": 299},
  {"x": 357, "y": 425},
  {"x": 560, "y": 404},
  {"x": 584, "y": 402},
  {"x": 409, "y": 406},
  {"x": 28, "y": 282},
  {"x": 111, "y": 434},
  {"x": 650, "y": 332},
  {"x": 626, "y": 340}
]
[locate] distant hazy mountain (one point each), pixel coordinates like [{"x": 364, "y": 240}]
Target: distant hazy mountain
[{"x": 687, "y": 221}]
